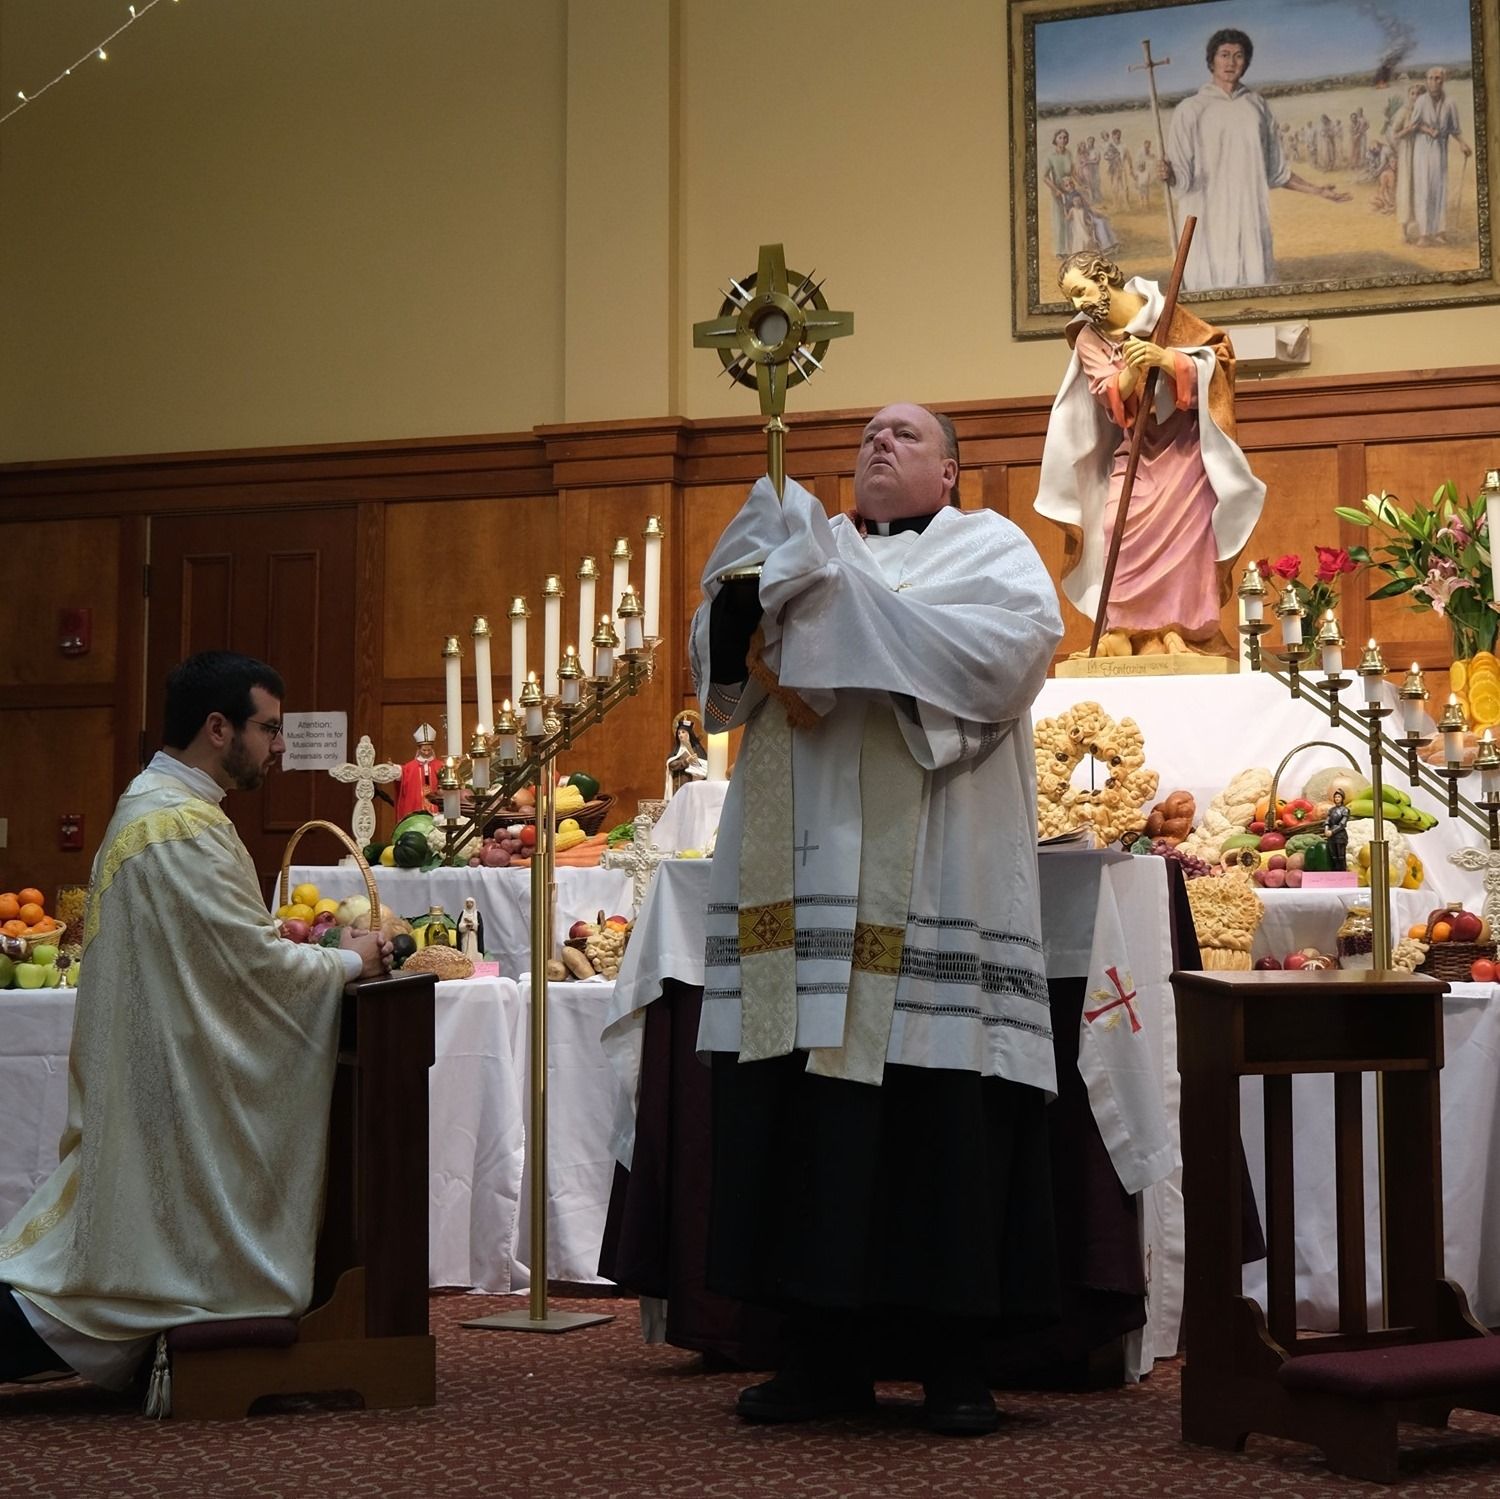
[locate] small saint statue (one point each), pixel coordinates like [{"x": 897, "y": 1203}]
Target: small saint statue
[
  {"x": 1195, "y": 500},
  {"x": 1336, "y": 832},
  {"x": 688, "y": 760},
  {"x": 471, "y": 931},
  {"x": 419, "y": 776}
]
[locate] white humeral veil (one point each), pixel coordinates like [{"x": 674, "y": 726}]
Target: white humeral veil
[
  {"x": 953, "y": 642},
  {"x": 191, "y": 1177}
]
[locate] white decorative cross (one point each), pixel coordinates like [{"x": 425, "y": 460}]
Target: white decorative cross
[
  {"x": 364, "y": 773},
  {"x": 640, "y": 856},
  {"x": 1489, "y": 861}
]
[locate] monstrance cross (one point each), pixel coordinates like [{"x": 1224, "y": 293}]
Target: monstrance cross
[
  {"x": 363, "y": 774},
  {"x": 771, "y": 336}
]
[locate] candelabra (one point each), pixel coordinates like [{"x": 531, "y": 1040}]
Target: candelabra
[
  {"x": 1401, "y": 753},
  {"x": 520, "y": 749}
]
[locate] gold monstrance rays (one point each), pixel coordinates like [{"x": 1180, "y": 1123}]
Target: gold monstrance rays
[{"x": 772, "y": 336}]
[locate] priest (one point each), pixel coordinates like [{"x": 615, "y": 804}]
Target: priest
[
  {"x": 191, "y": 1175},
  {"x": 875, "y": 1005}
]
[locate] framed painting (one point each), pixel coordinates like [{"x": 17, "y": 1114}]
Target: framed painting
[{"x": 1338, "y": 156}]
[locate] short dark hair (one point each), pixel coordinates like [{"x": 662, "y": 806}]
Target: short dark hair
[
  {"x": 213, "y": 682},
  {"x": 1229, "y": 34},
  {"x": 1092, "y": 266},
  {"x": 950, "y": 450}
]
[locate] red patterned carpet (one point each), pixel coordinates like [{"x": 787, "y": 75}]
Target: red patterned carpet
[{"x": 595, "y": 1414}]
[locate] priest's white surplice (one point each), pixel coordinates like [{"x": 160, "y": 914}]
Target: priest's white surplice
[
  {"x": 952, "y": 632},
  {"x": 191, "y": 1175}
]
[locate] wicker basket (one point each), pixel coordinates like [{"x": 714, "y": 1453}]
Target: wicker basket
[
  {"x": 1452, "y": 960},
  {"x": 590, "y": 816},
  {"x": 354, "y": 849}
]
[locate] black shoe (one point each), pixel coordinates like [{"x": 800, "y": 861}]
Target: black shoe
[
  {"x": 959, "y": 1408},
  {"x": 800, "y": 1395}
]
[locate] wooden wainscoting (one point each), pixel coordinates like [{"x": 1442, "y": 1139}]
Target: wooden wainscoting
[{"x": 446, "y": 529}]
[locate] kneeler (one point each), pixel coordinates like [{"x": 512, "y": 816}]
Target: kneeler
[
  {"x": 1250, "y": 1371},
  {"x": 366, "y": 1333}
]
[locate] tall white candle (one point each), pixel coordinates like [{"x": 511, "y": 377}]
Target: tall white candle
[
  {"x": 453, "y": 683},
  {"x": 484, "y": 686},
  {"x": 1411, "y": 707},
  {"x": 588, "y": 573},
  {"x": 518, "y": 616},
  {"x": 1489, "y": 777},
  {"x": 619, "y": 577},
  {"x": 1453, "y": 739},
  {"x": 1333, "y": 660},
  {"x": 551, "y": 634},
  {"x": 718, "y": 757},
  {"x": 1255, "y": 610},
  {"x": 651, "y": 600},
  {"x": 1374, "y": 681}
]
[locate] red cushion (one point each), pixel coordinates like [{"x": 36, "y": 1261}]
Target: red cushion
[
  {"x": 1407, "y": 1372},
  {"x": 233, "y": 1332}
]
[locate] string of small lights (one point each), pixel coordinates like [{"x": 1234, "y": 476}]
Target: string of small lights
[{"x": 99, "y": 51}]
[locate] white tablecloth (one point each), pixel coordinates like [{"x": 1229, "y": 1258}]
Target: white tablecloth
[
  {"x": 502, "y": 895},
  {"x": 692, "y": 816},
  {"x": 478, "y": 1107},
  {"x": 1202, "y": 731}
]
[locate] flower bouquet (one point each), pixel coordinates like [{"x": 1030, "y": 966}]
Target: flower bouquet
[{"x": 1319, "y": 596}]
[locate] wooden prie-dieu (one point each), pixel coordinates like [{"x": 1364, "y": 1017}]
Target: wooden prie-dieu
[
  {"x": 1252, "y": 1371},
  {"x": 366, "y": 1334}
]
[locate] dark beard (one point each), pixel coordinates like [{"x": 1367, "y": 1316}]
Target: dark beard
[
  {"x": 243, "y": 770},
  {"x": 1098, "y": 315}
]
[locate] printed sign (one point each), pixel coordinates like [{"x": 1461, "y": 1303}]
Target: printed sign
[{"x": 315, "y": 741}]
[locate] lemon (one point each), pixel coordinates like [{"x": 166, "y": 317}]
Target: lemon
[
  {"x": 328, "y": 903},
  {"x": 387, "y": 858},
  {"x": 297, "y": 911},
  {"x": 305, "y": 895}
]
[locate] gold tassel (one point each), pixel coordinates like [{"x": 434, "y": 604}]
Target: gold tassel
[{"x": 798, "y": 714}]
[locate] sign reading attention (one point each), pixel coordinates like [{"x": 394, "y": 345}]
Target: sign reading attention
[{"x": 315, "y": 741}]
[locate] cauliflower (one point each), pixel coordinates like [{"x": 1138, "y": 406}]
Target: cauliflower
[{"x": 1398, "y": 850}]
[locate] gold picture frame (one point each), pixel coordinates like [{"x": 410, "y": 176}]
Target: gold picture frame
[{"x": 1082, "y": 68}]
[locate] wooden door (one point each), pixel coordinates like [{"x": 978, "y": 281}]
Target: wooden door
[{"x": 278, "y": 585}]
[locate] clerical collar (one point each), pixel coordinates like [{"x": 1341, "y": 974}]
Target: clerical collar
[
  {"x": 199, "y": 782},
  {"x": 917, "y": 523}
]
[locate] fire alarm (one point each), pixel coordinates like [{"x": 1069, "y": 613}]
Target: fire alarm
[
  {"x": 75, "y": 631},
  {"x": 70, "y": 832}
]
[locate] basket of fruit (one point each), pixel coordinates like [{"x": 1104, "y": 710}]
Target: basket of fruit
[
  {"x": 311, "y": 921},
  {"x": 1456, "y": 940},
  {"x": 23, "y": 916}
]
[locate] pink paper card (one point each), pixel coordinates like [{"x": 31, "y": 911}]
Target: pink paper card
[
  {"x": 1329, "y": 879},
  {"x": 485, "y": 969}
]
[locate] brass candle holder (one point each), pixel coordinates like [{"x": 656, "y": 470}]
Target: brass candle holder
[
  {"x": 1487, "y": 763},
  {"x": 1453, "y": 726},
  {"x": 1253, "y": 623},
  {"x": 1413, "y": 694},
  {"x": 1294, "y": 648},
  {"x": 1330, "y": 643}
]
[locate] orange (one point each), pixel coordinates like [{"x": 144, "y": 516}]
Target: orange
[
  {"x": 31, "y": 912},
  {"x": 31, "y": 896},
  {"x": 1419, "y": 931},
  {"x": 10, "y": 907},
  {"x": 1441, "y": 931},
  {"x": 13, "y": 928}
]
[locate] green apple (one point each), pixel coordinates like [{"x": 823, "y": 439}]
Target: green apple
[
  {"x": 53, "y": 977},
  {"x": 30, "y": 975},
  {"x": 45, "y": 954},
  {"x": 7, "y": 972}
]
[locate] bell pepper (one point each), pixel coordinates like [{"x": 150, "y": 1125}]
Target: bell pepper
[
  {"x": 1295, "y": 812},
  {"x": 1413, "y": 877},
  {"x": 1315, "y": 856}
]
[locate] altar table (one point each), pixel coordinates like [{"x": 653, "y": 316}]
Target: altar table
[{"x": 503, "y": 897}]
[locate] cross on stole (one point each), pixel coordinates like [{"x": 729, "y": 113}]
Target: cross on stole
[
  {"x": 1123, "y": 999},
  {"x": 363, "y": 773},
  {"x": 806, "y": 847}
]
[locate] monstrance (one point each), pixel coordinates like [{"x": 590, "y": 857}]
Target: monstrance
[{"x": 772, "y": 334}]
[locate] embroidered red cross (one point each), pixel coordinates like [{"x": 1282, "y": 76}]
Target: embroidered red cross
[{"x": 1124, "y": 999}]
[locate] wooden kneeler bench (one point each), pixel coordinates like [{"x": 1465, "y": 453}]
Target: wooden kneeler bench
[
  {"x": 367, "y": 1331},
  {"x": 1250, "y": 1371}
]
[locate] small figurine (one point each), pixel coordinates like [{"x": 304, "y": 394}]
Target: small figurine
[
  {"x": 688, "y": 760},
  {"x": 1336, "y": 832},
  {"x": 470, "y": 931},
  {"x": 419, "y": 776}
]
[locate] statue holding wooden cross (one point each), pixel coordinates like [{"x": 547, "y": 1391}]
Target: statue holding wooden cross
[{"x": 1141, "y": 466}]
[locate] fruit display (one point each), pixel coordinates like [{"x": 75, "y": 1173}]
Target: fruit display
[
  {"x": 594, "y": 947},
  {"x": 309, "y": 916},
  {"x": 38, "y": 956},
  {"x": 1229, "y": 815},
  {"x": 1308, "y": 959}
]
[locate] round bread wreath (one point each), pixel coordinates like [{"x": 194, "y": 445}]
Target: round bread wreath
[{"x": 1111, "y": 808}]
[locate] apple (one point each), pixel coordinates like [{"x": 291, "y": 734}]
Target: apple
[
  {"x": 1466, "y": 927},
  {"x": 579, "y": 930},
  {"x": 1294, "y": 961},
  {"x": 1482, "y": 971},
  {"x": 296, "y": 931},
  {"x": 7, "y": 972},
  {"x": 1270, "y": 842},
  {"x": 1267, "y": 963},
  {"x": 44, "y": 953},
  {"x": 30, "y": 975}
]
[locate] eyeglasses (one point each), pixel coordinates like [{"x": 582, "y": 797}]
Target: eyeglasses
[{"x": 274, "y": 728}]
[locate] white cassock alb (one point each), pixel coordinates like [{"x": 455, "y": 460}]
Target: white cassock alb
[
  {"x": 1226, "y": 157},
  {"x": 1429, "y": 161},
  {"x": 191, "y": 1177},
  {"x": 921, "y": 654}
]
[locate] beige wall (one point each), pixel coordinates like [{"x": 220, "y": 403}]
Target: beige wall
[{"x": 279, "y": 221}]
